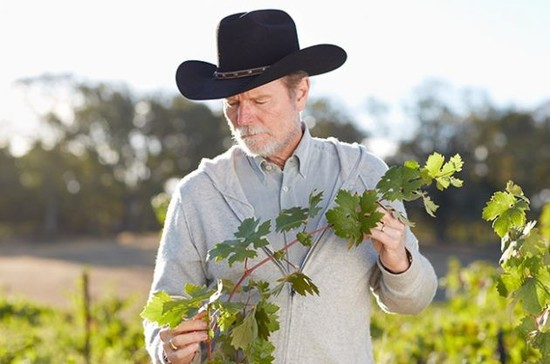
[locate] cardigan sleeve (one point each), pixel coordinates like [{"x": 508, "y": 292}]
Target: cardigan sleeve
[
  {"x": 178, "y": 262},
  {"x": 408, "y": 292}
]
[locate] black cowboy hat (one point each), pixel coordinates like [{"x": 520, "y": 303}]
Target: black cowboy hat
[{"x": 254, "y": 48}]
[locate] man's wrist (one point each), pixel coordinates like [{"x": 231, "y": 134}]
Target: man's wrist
[{"x": 398, "y": 271}]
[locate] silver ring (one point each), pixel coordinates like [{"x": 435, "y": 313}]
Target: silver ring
[
  {"x": 382, "y": 228},
  {"x": 174, "y": 347}
]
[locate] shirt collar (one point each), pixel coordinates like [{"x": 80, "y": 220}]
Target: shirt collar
[{"x": 301, "y": 153}]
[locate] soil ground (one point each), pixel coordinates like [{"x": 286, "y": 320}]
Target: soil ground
[{"x": 48, "y": 271}]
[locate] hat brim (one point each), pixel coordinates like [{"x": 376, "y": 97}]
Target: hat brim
[{"x": 196, "y": 81}]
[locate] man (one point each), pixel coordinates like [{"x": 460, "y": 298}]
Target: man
[{"x": 263, "y": 77}]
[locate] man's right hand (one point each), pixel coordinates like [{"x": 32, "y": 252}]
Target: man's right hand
[{"x": 182, "y": 342}]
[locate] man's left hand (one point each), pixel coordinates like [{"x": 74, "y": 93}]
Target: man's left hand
[{"x": 388, "y": 239}]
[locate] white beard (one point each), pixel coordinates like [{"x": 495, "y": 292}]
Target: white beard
[{"x": 250, "y": 147}]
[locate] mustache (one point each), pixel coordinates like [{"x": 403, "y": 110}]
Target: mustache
[{"x": 246, "y": 131}]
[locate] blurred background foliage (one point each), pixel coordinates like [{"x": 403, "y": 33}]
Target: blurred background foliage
[
  {"x": 104, "y": 152},
  {"x": 473, "y": 325}
]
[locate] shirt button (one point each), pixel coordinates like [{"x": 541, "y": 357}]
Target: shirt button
[
  {"x": 268, "y": 167},
  {"x": 285, "y": 189}
]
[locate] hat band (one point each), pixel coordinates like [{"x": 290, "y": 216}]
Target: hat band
[{"x": 240, "y": 73}]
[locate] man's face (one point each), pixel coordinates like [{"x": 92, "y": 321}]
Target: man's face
[{"x": 265, "y": 121}]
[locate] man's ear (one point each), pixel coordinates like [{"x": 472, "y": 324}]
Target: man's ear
[{"x": 302, "y": 93}]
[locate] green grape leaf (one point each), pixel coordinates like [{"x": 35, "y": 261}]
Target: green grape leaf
[
  {"x": 396, "y": 214},
  {"x": 267, "y": 319},
  {"x": 506, "y": 211},
  {"x": 529, "y": 294},
  {"x": 514, "y": 189},
  {"x": 512, "y": 218},
  {"x": 259, "y": 352},
  {"x": 545, "y": 221},
  {"x": 201, "y": 293},
  {"x": 368, "y": 202},
  {"x": 290, "y": 219},
  {"x": 228, "y": 286},
  {"x": 165, "y": 310},
  {"x": 199, "y": 296},
  {"x": 261, "y": 286},
  {"x": 499, "y": 203},
  {"x": 433, "y": 164},
  {"x": 507, "y": 283},
  {"x": 154, "y": 310},
  {"x": 456, "y": 182},
  {"x": 542, "y": 342},
  {"x": 314, "y": 201},
  {"x": 344, "y": 217},
  {"x": 454, "y": 165},
  {"x": 250, "y": 232},
  {"x": 430, "y": 206},
  {"x": 279, "y": 254},
  {"x": 233, "y": 250},
  {"x": 527, "y": 326},
  {"x": 400, "y": 183},
  {"x": 246, "y": 332},
  {"x": 534, "y": 243},
  {"x": 369, "y": 216},
  {"x": 304, "y": 238},
  {"x": 412, "y": 164},
  {"x": 354, "y": 215},
  {"x": 442, "y": 172},
  {"x": 174, "y": 312},
  {"x": 301, "y": 283},
  {"x": 228, "y": 313}
]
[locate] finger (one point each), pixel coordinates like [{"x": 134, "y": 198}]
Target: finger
[
  {"x": 190, "y": 325},
  {"x": 184, "y": 354},
  {"x": 164, "y": 334},
  {"x": 389, "y": 219},
  {"x": 388, "y": 238},
  {"x": 183, "y": 340},
  {"x": 389, "y": 231},
  {"x": 199, "y": 316}
]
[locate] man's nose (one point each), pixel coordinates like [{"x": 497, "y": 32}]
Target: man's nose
[{"x": 244, "y": 115}]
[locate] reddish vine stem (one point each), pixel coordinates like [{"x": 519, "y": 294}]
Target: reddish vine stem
[
  {"x": 249, "y": 271},
  {"x": 209, "y": 341}
]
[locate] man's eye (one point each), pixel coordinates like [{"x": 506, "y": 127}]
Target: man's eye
[{"x": 231, "y": 103}]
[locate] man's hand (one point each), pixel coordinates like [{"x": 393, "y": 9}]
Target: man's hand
[
  {"x": 181, "y": 343},
  {"x": 388, "y": 239}
]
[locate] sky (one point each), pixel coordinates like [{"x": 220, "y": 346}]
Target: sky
[{"x": 499, "y": 47}]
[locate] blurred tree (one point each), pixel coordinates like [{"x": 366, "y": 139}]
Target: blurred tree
[
  {"x": 12, "y": 194},
  {"x": 327, "y": 119},
  {"x": 438, "y": 128},
  {"x": 513, "y": 145},
  {"x": 496, "y": 145},
  {"x": 112, "y": 151},
  {"x": 105, "y": 152}
]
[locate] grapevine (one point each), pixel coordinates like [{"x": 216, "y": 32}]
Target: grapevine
[
  {"x": 525, "y": 262},
  {"x": 241, "y": 328}
]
